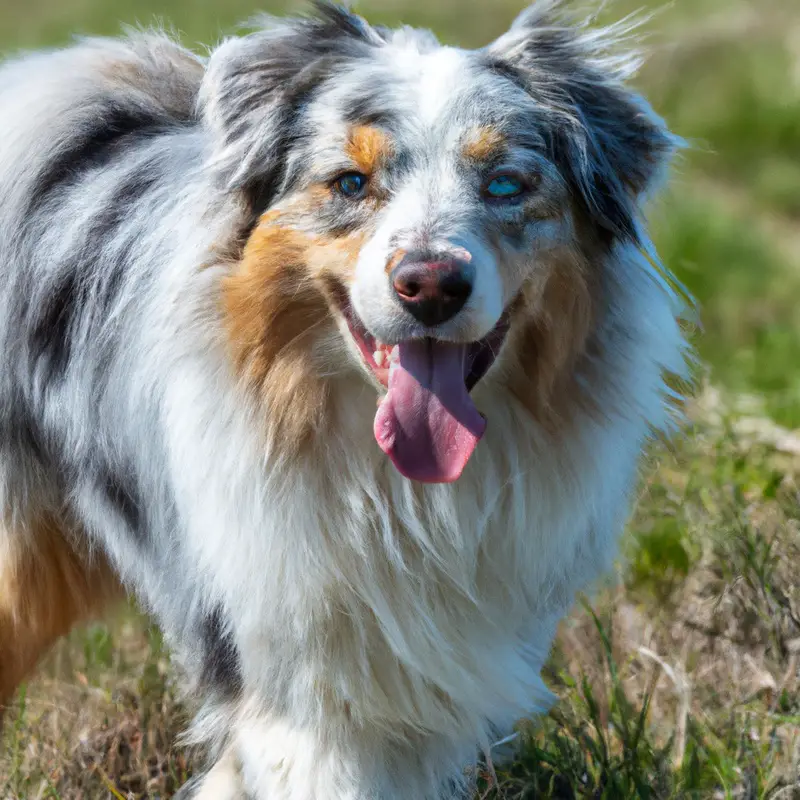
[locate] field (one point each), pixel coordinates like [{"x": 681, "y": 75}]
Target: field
[{"x": 679, "y": 678}]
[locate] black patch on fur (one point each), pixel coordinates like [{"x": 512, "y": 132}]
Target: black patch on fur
[
  {"x": 22, "y": 431},
  {"x": 333, "y": 20},
  {"x": 259, "y": 195},
  {"x": 221, "y": 668},
  {"x": 87, "y": 284},
  {"x": 51, "y": 339},
  {"x": 505, "y": 69},
  {"x": 369, "y": 108},
  {"x": 114, "y": 128},
  {"x": 122, "y": 495}
]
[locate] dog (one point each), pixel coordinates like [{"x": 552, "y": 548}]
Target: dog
[{"x": 338, "y": 348}]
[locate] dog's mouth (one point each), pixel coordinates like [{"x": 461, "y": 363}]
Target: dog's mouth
[{"x": 427, "y": 423}]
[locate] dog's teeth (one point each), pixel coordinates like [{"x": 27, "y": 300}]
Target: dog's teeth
[{"x": 379, "y": 357}]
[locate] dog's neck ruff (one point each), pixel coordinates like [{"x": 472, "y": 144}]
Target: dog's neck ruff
[{"x": 449, "y": 592}]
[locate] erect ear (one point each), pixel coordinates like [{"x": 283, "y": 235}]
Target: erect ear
[
  {"x": 255, "y": 86},
  {"x": 605, "y": 137}
]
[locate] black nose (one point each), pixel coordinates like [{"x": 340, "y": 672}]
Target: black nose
[{"x": 432, "y": 291}]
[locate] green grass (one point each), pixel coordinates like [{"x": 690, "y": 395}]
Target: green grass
[
  {"x": 747, "y": 291},
  {"x": 681, "y": 680}
]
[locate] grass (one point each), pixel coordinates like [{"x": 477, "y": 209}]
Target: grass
[{"x": 680, "y": 678}]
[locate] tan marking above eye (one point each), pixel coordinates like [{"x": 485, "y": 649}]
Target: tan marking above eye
[
  {"x": 368, "y": 148},
  {"x": 483, "y": 143}
]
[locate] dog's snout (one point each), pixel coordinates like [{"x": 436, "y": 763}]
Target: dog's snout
[{"x": 432, "y": 291}]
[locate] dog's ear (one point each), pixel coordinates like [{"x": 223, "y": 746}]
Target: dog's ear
[
  {"x": 255, "y": 86},
  {"x": 604, "y": 136}
]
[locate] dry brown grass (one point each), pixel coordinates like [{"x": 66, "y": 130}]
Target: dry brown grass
[{"x": 99, "y": 720}]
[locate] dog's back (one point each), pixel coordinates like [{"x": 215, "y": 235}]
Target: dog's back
[{"x": 68, "y": 110}]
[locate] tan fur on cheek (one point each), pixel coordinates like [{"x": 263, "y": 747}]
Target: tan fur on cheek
[
  {"x": 45, "y": 589},
  {"x": 368, "y": 148},
  {"x": 277, "y": 308},
  {"x": 273, "y": 310},
  {"x": 336, "y": 257},
  {"x": 554, "y": 319}
]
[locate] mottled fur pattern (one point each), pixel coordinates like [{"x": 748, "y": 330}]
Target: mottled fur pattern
[{"x": 182, "y": 402}]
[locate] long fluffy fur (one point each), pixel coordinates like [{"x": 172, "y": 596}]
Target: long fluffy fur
[{"x": 353, "y": 634}]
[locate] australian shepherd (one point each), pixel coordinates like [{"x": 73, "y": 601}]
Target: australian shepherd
[{"x": 338, "y": 349}]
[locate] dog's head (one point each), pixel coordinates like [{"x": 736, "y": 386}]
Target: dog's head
[{"x": 420, "y": 209}]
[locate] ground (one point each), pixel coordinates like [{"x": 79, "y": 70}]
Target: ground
[{"x": 679, "y": 677}]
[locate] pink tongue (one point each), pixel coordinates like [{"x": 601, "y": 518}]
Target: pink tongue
[{"x": 427, "y": 423}]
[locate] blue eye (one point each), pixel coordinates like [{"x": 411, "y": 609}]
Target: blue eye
[
  {"x": 351, "y": 185},
  {"x": 505, "y": 187}
]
